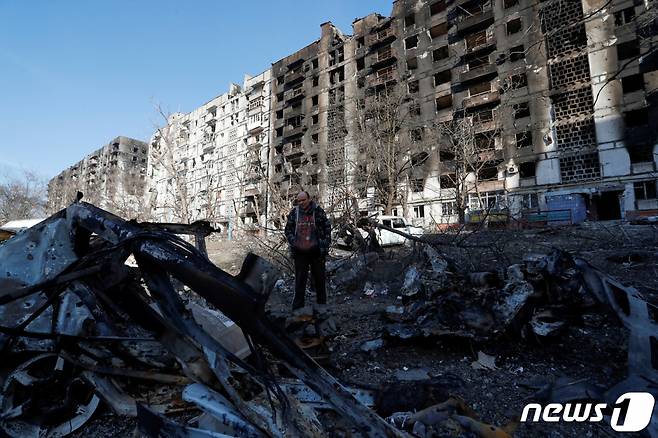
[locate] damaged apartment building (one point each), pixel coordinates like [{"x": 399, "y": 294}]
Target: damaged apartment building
[
  {"x": 558, "y": 95},
  {"x": 211, "y": 163},
  {"x": 556, "y": 92},
  {"x": 112, "y": 177}
]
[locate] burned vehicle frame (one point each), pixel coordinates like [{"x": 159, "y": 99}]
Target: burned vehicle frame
[{"x": 64, "y": 283}]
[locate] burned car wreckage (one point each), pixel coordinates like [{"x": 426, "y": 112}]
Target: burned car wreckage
[{"x": 79, "y": 326}]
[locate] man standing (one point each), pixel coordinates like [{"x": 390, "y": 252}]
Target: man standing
[{"x": 308, "y": 232}]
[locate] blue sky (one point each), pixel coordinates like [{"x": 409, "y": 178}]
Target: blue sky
[{"x": 75, "y": 74}]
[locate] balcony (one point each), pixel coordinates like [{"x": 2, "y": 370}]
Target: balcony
[
  {"x": 292, "y": 150},
  {"x": 382, "y": 37},
  {"x": 478, "y": 72},
  {"x": 383, "y": 58},
  {"x": 293, "y": 131},
  {"x": 383, "y": 79},
  {"x": 294, "y": 77},
  {"x": 479, "y": 41},
  {"x": 473, "y": 23},
  {"x": 294, "y": 95},
  {"x": 481, "y": 99},
  {"x": 292, "y": 112}
]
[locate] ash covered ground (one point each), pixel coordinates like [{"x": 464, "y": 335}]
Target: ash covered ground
[{"x": 417, "y": 373}]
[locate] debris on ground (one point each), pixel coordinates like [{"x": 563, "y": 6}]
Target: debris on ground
[{"x": 99, "y": 313}]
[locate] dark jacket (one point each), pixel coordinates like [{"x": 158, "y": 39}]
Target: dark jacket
[{"x": 322, "y": 228}]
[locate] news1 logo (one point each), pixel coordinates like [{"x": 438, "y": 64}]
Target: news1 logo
[{"x": 630, "y": 413}]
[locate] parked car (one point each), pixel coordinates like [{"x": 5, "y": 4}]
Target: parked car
[
  {"x": 344, "y": 237},
  {"x": 387, "y": 238}
]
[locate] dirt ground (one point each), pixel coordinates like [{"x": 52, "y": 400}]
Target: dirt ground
[{"x": 593, "y": 349}]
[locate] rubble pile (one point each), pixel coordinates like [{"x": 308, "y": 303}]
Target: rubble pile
[
  {"x": 536, "y": 298},
  {"x": 98, "y": 311},
  {"x": 79, "y": 326}
]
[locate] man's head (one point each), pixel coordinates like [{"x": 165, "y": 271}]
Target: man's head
[{"x": 303, "y": 199}]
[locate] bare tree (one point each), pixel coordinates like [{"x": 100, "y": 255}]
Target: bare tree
[
  {"x": 171, "y": 194},
  {"x": 389, "y": 145},
  {"x": 22, "y": 196},
  {"x": 467, "y": 155}
]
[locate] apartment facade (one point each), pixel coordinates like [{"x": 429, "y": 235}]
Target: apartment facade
[
  {"x": 112, "y": 177},
  {"x": 211, "y": 164},
  {"x": 558, "y": 94},
  {"x": 555, "y": 88}
]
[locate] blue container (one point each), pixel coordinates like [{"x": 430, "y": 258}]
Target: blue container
[{"x": 559, "y": 207}]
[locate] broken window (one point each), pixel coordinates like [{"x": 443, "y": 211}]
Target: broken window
[
  {"x": 412, "y": 86},
  {"x": 360, "y": 42},
  {"x": 411, "y": 42},
  {"x": 509, "y": 3},
  {"x": 279, "y": 132},
  {"x": 385, "y": 74},
  {"x": 517, "y": 53},
  {"x": 485, "y": 141},
  {"x": 438, "y": 30},
  {"x": 635, "y": 118},
  {"x": 279, "y": 97},
  {"x": 314, "y": 119},
  {"x": 513, "y": 26},
  {"x": 441, "y": 77},
  {"x": 384, "y": 54},
  {"x": 448, "y": 208},
  {"x": 440, "y": 53},
  {"x": 645, "y": 190},
  {"x": 414, "y": 109},
  {"x": 279, "y": 114},
  {"x": 483, "y": 116},
  {"x": 316, "y": 81},
  {"x": 419, "y": 211},
  {"x": 477, "y": 62},
  {"x": 518, "y": 81},
  {"x": 417, "y": 185},
  {"x": 416, "y": 134},
  {"x": 521, "y": 110},
  {"x": 437, "y": 7},
  {"x": 624, "y": 16},
  {"x": 476, "y": 39},
  {"x": 314, "y": 63},
  {"x": 314, "y": 159},
  {"x": 447, "y": 181},
  {"x": 527, "y": 169},
  {"x": 279, "y": 80},
  {"x": 412, "y": 63},
  {"x": 628, "y": 50},
  {"x": 524, "y": 139},
  {"x": 360, "y": 63},
  {"x": 483, "y": 87},
  {"x": 315, "y": 138},
  {"x": 444, "y": 102},
  {"x": 409, "y": 20},
  {"x": 640, "y": 153},
  {"x": 314, "y": 100},
  {"x": 487, "y": 173},
  {"x": 632, "y": 83}
]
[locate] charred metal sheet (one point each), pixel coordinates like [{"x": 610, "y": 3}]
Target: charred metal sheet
[
  {"x": 153, "y": 425},
  {"x": 222, "y": 410},
  {"x": 306, "y": 396},
  {"x": 36, "y": 255},
  {"x": 106, "y": 388}
]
